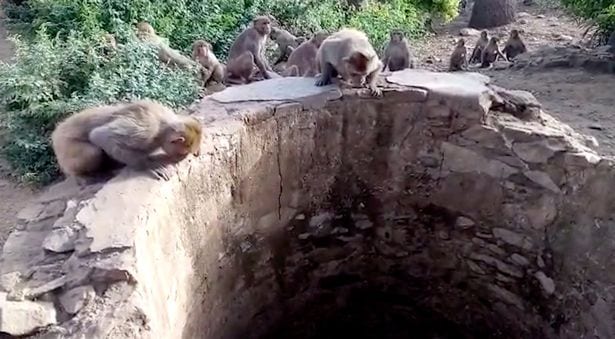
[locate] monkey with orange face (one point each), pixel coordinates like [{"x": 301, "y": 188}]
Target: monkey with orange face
[{"x": 127, "y": 134}]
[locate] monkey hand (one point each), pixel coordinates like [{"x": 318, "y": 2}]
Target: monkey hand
[
  {"x": 322, "y": 82},
  {"x": 162, "y": 173},
  {"x": 375, "y": 91}
]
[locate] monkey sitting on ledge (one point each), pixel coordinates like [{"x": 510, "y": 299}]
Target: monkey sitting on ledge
[{"x": 87, "y": 142}]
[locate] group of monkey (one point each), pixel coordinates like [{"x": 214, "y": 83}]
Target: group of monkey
[
  {"x": 100, "y": 139},
  {"x": 486, "y": 51},
  {"x": 347, "y": 53}
]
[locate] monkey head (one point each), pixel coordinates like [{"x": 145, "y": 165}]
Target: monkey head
[
  {"x": 484, "y": 35},
  {"x": 145, "y": 28},
  {"x": 494, "y": 40},
  {"x": 184, "y": 138},
  {"x": 396, "y": 35},
  {"x": 201, "y": 48},
  {"x": 461, "y": 42},
  {"x": 356, "y": 68},
  {"x": 514, "y": 34},
  {"x": 109, "y": 40},
  {"x": 262, "y": 24},
  {"x": 318, "y": 38}
]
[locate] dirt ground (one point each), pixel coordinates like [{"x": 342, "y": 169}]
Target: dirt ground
[
  {"x": 583, "y": 100},
  {"x": 13, "y": 196}
]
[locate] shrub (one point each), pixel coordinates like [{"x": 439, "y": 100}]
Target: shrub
[
  {"x": 600, "y": 15},
  {"x": 53, "y": 77},
  {"x": 61, "y": 65}
]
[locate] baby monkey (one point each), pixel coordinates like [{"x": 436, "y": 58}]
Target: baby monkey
[
  {"x": 397, "y": 52},
  {"x": 86, "y": 142},
  {"x": 211, "y": 68},
  {"x": 459, "y": 61},
  {"x": 491, "y": 53}
]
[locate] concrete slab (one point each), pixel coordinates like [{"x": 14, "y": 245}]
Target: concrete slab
[
  {"x": 454, "y": 84},
  {"x": 279, "y": 89}
]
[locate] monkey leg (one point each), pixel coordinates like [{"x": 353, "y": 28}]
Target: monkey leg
[
  {"x": 81, "y": 158},
  {"x": 326, "y": 74}
]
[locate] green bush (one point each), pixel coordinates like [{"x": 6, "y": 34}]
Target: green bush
[
  {"x": 219, "y": 21},
  {"x": 54, "y": 77},
  {"x": 61, "y": 65},
  {"x": 598, "y": 13}
]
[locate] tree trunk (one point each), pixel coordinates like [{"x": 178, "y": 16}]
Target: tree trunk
[{"x": 492, "y": 13}]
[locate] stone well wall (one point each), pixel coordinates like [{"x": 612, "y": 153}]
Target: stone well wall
[{"x": 448, "y": 208}]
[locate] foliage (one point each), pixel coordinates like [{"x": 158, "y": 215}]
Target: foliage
[
  {"x": 62, "y": 66},
  {"x": 53, "y": 77},
  {"x": 599, "y": 14},
  {"x": 219, "y": 21}
]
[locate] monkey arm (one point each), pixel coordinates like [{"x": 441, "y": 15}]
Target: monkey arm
[
  {"x": 111, "y": 143},
  {"x": 326, "y": 74}
]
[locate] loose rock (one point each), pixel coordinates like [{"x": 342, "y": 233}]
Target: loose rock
[
  {"x": 74, "y": 300},
  {"x": 469, "y": 32},
  {"x": 24, "y": 317},
  {"x": 547, "y": 283},
  {"x": 464, "y": 223}
]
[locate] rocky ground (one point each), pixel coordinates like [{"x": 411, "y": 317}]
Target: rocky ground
[{"x": 582, "y": 99}]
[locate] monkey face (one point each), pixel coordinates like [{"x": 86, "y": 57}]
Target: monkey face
[
  {"x": 514, "y": 34},
  {"x": 397, "y": 36},
  {"x": 356, "y": 79},
  {"x": 461, "y": 42},
  {"x": 483, "y": 35},
  {"x": 263, "y": 26}
]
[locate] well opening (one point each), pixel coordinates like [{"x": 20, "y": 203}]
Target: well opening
[{"x": 347, "y": 221}]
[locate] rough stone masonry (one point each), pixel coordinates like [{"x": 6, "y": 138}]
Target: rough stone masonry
[{"x": 454, "y": 196}]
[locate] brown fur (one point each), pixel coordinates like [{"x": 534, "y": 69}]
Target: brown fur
[
  {"x": 303, "y": 58},
  {"x": 166, "y": 54},
  {"x": 251, "y": 41},
  {"x": 459, "y": 61},
  {"x": 477, "y": 52},
  {"x": 350, "y": 54},
  {"x": 211, "y": 68},
  {"x": 286, "y": 43},
  {"x": 514, "y": 46},
  {"x": 125, "y": 134},
  {"x": 397, "y": 52},
  {"x": 491, "y": 53}
]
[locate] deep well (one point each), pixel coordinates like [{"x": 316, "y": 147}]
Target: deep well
[{"x": 434, "y": 212}]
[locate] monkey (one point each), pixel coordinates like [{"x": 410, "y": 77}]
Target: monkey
[
  {"x": 349, "y": 54},
  {"x": 166, "y": 54},
  {"x": 125, "y": 134},
  {"x": 240, "y": 70},
  {"x": 491, "y": 53},
  {"x": 286, "y": 43},
  {"x": 211, "y": 68},
  {"x": 459, "y": 61},
  {"x": 514, "y": 46},
  {"x": 477, "y": 52},
  {"x": 303, "y": 58},
  {"x": 251, "y": 41},
  {"x": 110, "y": 40},
  {"x": 397, "y": 52}
]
